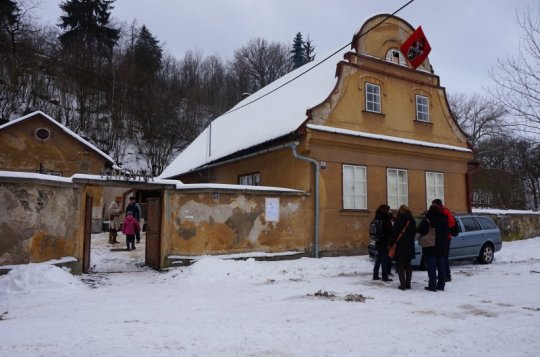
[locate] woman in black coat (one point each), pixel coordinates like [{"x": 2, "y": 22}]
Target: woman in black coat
[
  {"x": 404, "y": 229},
  {"x": 435, "y": 255},
  {"x": 382, "y": 260}
]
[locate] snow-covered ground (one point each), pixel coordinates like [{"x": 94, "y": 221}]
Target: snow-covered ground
[
  {"x": 284, "y": 308},
  {"x": 107, "y": 258}
]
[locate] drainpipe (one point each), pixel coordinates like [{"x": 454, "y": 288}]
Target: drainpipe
[
  {"x": 317, "y": 166},
  {"x": 472, "y": 168}
]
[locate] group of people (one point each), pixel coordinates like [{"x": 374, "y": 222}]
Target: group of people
[
  {"x": 130, "y": 227},
  {"x": 401, "y": 230}
]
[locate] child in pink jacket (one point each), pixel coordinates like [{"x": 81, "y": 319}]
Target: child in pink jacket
[{"x": 130, "y": 228}]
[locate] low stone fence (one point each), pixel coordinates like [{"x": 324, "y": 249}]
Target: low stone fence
[
  {"x": 226, "y": 220},
  {"x": 514, "y": 225}
]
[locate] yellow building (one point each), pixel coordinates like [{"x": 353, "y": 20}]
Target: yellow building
[
  {"x": 38, "y": 143},
  {"x": 355, "y": 130}
]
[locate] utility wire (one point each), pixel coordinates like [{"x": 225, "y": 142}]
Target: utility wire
[
  {"x": 106, "y": 79},
  {"x": 324, "y": 60}
]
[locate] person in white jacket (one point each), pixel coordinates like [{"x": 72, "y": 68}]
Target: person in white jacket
[{"x": 114, "y": 220}]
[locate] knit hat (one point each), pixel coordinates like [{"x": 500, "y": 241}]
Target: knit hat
[{"x": 437, "y": 202}]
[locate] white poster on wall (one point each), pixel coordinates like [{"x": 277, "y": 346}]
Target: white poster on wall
[{"x": 272, "y": 209}]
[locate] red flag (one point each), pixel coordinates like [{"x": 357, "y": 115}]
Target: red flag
[{"x": 416, "y": 48}]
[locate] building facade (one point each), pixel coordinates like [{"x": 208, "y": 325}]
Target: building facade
[
  {"x": 382, "y": 133},
  {"x": 36, "y": 143}
]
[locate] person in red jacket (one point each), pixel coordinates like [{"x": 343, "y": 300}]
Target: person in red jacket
[
  {"x": 130, "y": 228},
  {"x": 451, "y": 223}
]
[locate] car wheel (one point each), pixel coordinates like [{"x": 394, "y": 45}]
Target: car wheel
[{"x": 486, "y": 254}]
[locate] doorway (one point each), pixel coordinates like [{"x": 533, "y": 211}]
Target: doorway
[{"x": 102, "y": 256}]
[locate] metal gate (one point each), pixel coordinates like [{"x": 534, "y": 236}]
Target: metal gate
[
  {"x": 87, "y": 234},
  {"x": 153, "y": 234}
]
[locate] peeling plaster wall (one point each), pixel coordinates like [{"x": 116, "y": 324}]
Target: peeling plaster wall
[
  {"x": 220, "y": 223},
  {"x": 38, "y": 222}
]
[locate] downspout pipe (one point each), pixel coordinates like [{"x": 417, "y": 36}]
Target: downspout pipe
[{"x": 317, "y": 167}]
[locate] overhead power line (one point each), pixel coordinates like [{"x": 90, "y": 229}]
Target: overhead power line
[{"x": 322, "y": 61}]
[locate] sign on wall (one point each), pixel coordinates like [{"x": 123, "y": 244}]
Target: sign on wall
[{"x": 272, "y": 209}]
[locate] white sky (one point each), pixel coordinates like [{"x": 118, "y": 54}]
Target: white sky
[
  {"x": 247, "y": 308},
  {"x": 466, "y": 36}
]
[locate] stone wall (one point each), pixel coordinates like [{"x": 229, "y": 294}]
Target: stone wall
[
  {"x": 516, "y": 226},
  {"x": 224, "y": 222},
  {"x": 39, "y": 222}
]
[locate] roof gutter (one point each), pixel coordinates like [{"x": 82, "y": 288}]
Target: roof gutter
[
  {"x": 317, "y": 167},
  {"x": 256, "y": 153}
]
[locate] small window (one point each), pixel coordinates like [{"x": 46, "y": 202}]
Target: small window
[
  {"x": 253, "y": 179},
  {"x": 397, "y": 188},
  {"x": 394, "y": 55},
  {"x": 434, "y": 187},
  {"x": 373, "y": 98},
  {"x": 471, "y": 224},
  {"x": 354, "y": 187},
  {"x": 422, "y": 108},
  {"x": 43, "y": 134}
]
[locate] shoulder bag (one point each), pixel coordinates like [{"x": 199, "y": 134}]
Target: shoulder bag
[
  {"x": 427, "y": 240},
  {"x": 392, "y": 250}
]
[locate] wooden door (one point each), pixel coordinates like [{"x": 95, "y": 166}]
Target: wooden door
[
  {"x": 153, "y": 234},
  {"x": 87, "y": 234}
]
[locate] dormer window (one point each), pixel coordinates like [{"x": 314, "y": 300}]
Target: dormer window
[{"x": 395, "y": 56}]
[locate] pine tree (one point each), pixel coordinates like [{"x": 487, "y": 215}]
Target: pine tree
[
  {"x": 87, "y": 23},
  {"x": 302, "y": 51},
  {"x": 147, "y": 53},
  {"x": 309, "y": 50},
  {"x": 87, "y": 44},
  {"x": 9, "y": 18},
  {"x": 298, "y": 58}
]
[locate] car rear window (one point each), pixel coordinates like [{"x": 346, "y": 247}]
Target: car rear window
[
  {"x": 486, "y": 223},
  {"x": 471, "y": 224}
]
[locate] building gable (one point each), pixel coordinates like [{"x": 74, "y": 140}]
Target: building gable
[
  {"x": 373, "y": 93},
  {"x": 37, "y": 143}
]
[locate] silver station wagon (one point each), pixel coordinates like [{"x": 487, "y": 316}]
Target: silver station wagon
[{"x": 478, "y": 238}]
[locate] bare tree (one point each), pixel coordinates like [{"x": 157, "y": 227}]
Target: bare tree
[
  {"x": 264, "y": 62},
  {"x": 477, "y": 116},
  {"x": 517, "y": 157},
  {"x": 214, "y": 86},
  {"x": 517, "y": 78}
]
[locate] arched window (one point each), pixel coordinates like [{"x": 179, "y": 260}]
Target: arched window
[{"x": 394, "y": 55}]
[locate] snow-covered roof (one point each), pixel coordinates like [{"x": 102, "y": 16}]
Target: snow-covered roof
[
  {"x": 91, "y": 177},
  {"x": 262, "y": 116},
  {"x": 64, "y": 128},
  {"x": 177, "y": 184}
]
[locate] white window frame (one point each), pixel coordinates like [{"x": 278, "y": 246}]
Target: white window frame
[
  {"x": 397, "y": 187},
  {"x": 354, "y": 180},
  {"x": 253, "y": 179},
  {"x": 434, "y": 187},
  {"x": 422, "y": 108},
  {"x": 373, "y": 97},
  {"x": 399, "y": 59}
]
